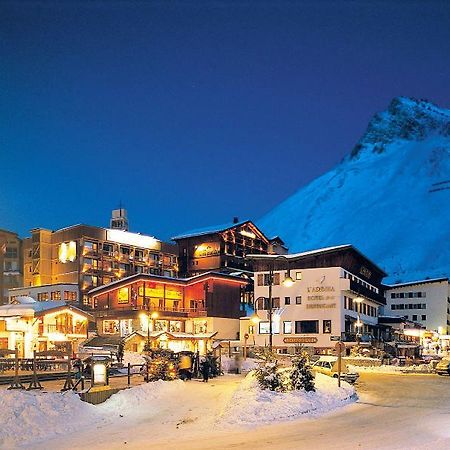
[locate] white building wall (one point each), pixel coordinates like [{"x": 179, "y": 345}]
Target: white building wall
[
  {"x": 434, "y": 295},
  {"x": 322, "y": 292}
]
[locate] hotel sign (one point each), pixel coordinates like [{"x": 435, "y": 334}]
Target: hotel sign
[{"x": 300, "y": 340}]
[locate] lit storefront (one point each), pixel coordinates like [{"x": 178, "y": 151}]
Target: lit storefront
[
  {"x": 30, "y": 325},
  {"x": 170, "y": 312},
  {"x": 335, "y": 294}
]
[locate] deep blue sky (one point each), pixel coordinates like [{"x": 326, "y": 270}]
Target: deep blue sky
[{"x": 192, "y": 112}]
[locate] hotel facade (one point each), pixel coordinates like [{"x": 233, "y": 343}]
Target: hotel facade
[
  {"x": 11, "y": 263},
  {"x": 92, "y": 256},
  {"x": 320, "y": 307},
  {"x": 175, "y": 313}
]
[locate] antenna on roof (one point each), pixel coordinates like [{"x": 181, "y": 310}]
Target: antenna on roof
[{"x": 119, "y": 218}]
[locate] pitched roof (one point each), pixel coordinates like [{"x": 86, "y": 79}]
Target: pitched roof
[
  {"x": 412, "y": 283},
  {"x": 209, "y": 230}
]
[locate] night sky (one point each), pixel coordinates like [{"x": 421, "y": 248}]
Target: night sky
[{"x": 191, "y": 113}]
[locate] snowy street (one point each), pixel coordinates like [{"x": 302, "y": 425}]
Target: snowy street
[{"x": 393, "y": 411}]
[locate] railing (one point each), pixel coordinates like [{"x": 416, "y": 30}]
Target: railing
[
  {"x": 53, "y": 328},
  {"x": 199, "y": 310},
  {"x": 353, "y": 337}
]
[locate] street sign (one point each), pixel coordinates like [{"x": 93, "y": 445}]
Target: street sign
[
  {"x": 335, "y": 338},
  {"x": 340, "y": 347}
]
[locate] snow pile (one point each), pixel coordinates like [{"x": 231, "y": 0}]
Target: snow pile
[
  {"x": 134, "y": 359},
  {"x": 251, "y": 405},
  {"x": 229, "y": 365},
  {"x": 33, "y": 416},
  {"x": 419, "y": 368},
  {"x": 30, "y": 416},
  {"x": 145, "y": 399}
]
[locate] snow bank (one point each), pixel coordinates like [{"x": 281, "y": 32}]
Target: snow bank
[
  {"x": 251, "y": 405},
  {"x": 229, "y": 365},
  {"x": 33, "y": 416},
  {"x": 133, "y": 358},
  {"x": 146, "y": 399},
  {"x": 420, "y": 368},
  {"x": 30, "y": 416}
]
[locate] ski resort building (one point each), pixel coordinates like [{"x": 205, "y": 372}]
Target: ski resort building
[
  {"x": 223, "y": 248},
  {"x": 30, "y": 325},
  {"x": 93, "y": 256},
  {"x": 336, "y": 295},
  {"x": 426, "y": 302},
  {"x": 174, "y": 313}
]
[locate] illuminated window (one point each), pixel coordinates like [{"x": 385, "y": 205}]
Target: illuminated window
[
  {"x": 42, "y": 296},
  {"x": 123, "y": 295},
  {"x": 70, "y": 296},
  {"x": 56, "y": 295},
  {"x": 287, "y": 327},
  {"x": 298, "y": 275},
  {"x": 327, "y": 326},
  {"x": 264, "y": 327}
]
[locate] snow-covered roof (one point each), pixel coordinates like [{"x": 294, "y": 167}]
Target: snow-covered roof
[
  {"x": 412, "y": 283},
  {"x": 316, "y": 252},
  {"x": 27, "y": 306},
  {"x": 209, "y": 230}
]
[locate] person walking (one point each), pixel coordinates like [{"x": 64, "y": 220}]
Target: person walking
[{"x": 205, "y": 369}]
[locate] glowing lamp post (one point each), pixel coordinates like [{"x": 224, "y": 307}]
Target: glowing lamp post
[
  {"x": 150, "y": 316},
  {"x": 287, "y": 282},
  {"x": 359, "y": 324}
]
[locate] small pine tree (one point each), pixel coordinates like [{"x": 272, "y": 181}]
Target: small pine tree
[
  {"x": 161, "y": 368},
  {"x": 301, "y": 376}
]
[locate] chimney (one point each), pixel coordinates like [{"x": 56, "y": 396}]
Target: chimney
[{"x": 235, "y": 219}]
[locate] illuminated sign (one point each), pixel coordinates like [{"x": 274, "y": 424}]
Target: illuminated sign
[
  {"x": 248, "y": 234},
  {"x": 136, "y": 239},
  {"x": 365, "y": 271},
  {"x": 207, "y": 249},
  {"x": 320, "y": 305},
  {"x": 99, "y": 375},
  {"x": 300, "y": 340},
  {"x": 320, "y": 289},
  {"x": 67, "y": 252}
]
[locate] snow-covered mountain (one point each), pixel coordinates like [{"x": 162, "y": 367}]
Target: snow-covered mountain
[{"x": 390, "y": 197}]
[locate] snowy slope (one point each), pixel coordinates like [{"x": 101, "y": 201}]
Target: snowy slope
[{"x": 390, "y": 197}]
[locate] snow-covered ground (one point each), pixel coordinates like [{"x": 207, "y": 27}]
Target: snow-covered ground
[
  {"x": 230, "y": 365},
  {"x": 394, "y": 412},
  {"x": 420, "y": 368},
  {"x": 250, "y": 405},
  {"x": 32, "y": 416},
  {"x": 39, "y": 418}
]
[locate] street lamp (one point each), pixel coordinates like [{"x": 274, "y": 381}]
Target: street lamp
[
  {"x": 287, "y": 282},
  {"x": 150, "y": 316},
  {"x": 359, "y": 324}
]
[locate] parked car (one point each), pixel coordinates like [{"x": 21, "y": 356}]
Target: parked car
[
  {"x": 328, "y": 365},
  {"x": 443, "y": 367}
]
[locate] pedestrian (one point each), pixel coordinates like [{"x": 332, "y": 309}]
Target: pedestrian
[{"x": 205, "y": 369}]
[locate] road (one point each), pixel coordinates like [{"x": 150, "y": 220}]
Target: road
[{"x": 393, "y": 412}]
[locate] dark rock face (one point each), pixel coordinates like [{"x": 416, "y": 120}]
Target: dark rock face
[{"x": 405, "y": 118}]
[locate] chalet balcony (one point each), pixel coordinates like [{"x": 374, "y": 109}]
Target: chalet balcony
[
  {"x": 105, "y": 311},
  {"x": 64, "y": 329},
  {"x": 365, "y": 292}
]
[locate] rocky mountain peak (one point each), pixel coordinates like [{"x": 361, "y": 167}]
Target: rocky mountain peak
[{"x": 405, "y": 119}]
